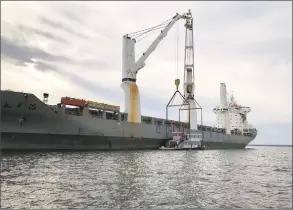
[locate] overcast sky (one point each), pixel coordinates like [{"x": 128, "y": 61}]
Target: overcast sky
[{"x": 75, "y": 49}]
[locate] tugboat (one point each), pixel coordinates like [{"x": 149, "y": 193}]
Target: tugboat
[{"x": 185, "y": 141}]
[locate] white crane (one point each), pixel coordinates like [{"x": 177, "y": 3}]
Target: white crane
[
  {"x": 189, "y": 71},
  {"x": 130, "y": 67}
]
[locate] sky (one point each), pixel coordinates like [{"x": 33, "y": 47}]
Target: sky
[{"x": 75, "y": 49}]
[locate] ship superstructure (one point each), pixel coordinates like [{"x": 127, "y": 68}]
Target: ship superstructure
[{"x": 232, "y": 117}]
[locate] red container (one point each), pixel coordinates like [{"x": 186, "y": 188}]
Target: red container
[{"x": 73, "y": 101}]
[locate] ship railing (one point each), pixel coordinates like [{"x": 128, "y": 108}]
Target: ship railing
[
  {"x": 92, "y": 133},
  {"x": 177, "y": 133},
  {"x": 194, "y": 131},
  {"x": 189, "y": 144},
  {"x": 193, "y": 137},
  {"x": 177, "y": 136}
]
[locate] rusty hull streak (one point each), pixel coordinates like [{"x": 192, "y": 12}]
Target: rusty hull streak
[{"x": 133, "y": 103}]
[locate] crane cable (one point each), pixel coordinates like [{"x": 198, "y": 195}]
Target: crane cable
[
  {"x": 147, "y": 30},
  {"x": 147, "y": 33},
  {"x": 178, "y": 54},
  {"x": 140, "y": 31},
  {"x": 177, "y": 73}
]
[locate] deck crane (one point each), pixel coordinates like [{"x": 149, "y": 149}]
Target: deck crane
[
  {"x": 130, "y": 68},
  {"x": 189, "y": 72}
]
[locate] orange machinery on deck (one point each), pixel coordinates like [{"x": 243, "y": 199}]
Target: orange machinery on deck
[
  {"x": 90, "y": 104},
  {"x": 73, "y": 101}
]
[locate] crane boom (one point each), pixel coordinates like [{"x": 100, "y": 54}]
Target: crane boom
[{"x": 141, "y": 62}]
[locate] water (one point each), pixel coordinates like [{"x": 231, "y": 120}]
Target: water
[{"x": 258, "y": 177}]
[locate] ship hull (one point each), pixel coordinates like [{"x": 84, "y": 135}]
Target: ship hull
[
  {"x": 38, "y": 141},
  {"x": 214, "y": 140},
  {"x": 224, "y": 145},
  {"x": 45, "y": 129}
]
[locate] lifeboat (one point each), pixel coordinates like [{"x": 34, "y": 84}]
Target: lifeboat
[
  {"x": 97, "y": 105},
  {"x": 111, "y": 107}
]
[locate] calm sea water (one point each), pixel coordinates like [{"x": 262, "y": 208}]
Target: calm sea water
[{"x": 257, "y": 177}]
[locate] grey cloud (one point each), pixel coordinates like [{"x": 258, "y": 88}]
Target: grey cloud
[
  {"x": 249, "y": 9},
  {"x": 107, "y": 32},
  {"x": 24, "y": 54},
  {"x": 219, "y": 14},
  {"x": 102, "y": 65},
  {"x": 280, "y": 46},
  {"x": 96, "y": 88},
  {"x": 41, "y": 33},
  {"x": 45, "y": 66},
  {"x": 280, "y": 49},
  {"x": 52, "y": 23},
  {"x": 59, "y": 25},
  {"x": 70, "y": 15},
  {"x": 74, "y": 12}
]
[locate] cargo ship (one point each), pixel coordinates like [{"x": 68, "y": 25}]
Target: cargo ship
[{"x": 30, "y": 123}]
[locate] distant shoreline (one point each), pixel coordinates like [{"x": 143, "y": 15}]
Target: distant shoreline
[{"x": 270, "y": 145}]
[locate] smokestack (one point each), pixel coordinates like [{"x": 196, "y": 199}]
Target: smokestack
[{"x": 223, "y": 95}]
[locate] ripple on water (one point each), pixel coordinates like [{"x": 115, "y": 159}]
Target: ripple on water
[{"x": 254, "y": 178}]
